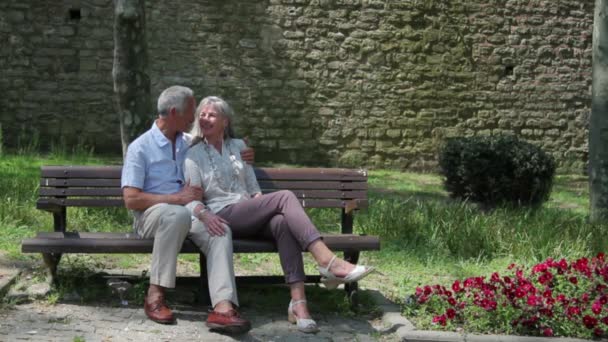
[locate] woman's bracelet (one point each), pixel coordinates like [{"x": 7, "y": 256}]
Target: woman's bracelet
[{"x": 201, "y": 211}]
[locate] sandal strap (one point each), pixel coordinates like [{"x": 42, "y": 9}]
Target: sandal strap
[
  {"x": 292, "y": 303},
  {"x": 331, "y": 262}
]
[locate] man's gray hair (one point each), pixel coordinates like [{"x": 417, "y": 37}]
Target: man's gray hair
[{"x": 174, "y": 97}]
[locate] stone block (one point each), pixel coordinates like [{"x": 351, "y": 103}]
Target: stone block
[
  {"x": 393, "y": 133},
  {"x": 294, "y": 34},
  {"x": 15, "y": 16},
  {"x": 66, "y": 31},
  {"x": 248, "y": 43}
]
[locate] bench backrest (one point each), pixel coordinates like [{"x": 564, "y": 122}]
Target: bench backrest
[{"x": 99, "y": 186}]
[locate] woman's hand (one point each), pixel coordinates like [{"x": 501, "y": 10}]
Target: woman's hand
[
  {"x": 256, "y": 195},
  {"x": 214, "y": 223}
]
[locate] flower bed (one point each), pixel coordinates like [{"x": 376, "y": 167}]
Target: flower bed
[{"x": 553, "y": 298}]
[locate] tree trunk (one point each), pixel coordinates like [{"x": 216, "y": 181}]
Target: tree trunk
[
  {"x": 598, "y": 123},
  {"x": 130, "y": 71}
]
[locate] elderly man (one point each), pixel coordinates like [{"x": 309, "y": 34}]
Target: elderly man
[{"x": 154, "y": 189}]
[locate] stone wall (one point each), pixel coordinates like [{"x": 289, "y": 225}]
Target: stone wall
[{"x": 331, "y": 82}]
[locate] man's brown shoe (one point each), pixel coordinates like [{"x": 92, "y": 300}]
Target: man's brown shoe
[
  {"x": 158, "y": 311},
  {"x": 229, "y": 322}
]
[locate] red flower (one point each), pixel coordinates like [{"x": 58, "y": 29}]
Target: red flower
[
  {"x": 529, "y": 288},
  {"x": 573, "y": 280},
  {"x": 540, "y": 268},
  {"x": 450, "y": 313},
  {"x": 598, "y": 332},
  {"x": 545, "y": 278},
  {"x": 456, "y": 286},
  {"x": 605, "y": 320},
  {"x": 600, "y": 256},
  {"x": 596, "y": 307},
  {"x": 585, "y": 297},
  {"x": 589, "y": 322},
  {"x": 495, "y": 278},
  {"x": 488, "y": 305},
  {"x": 533, "y": 300},
  {"x": 427, "y": 290},
  {"x": 438, "y": 289},
  {"x": 562, "y": 266},
  {"x": 452, "y": 301},
  {"x": 548, "y": 293},
  {"x": 603, "y": 300},
  {"x": 546, "y": 312},
  {"x": 573, "y": 311},
  {"x": 582, "y": 265},
  {"x": 440, "y": 319},
  {"x": 548, "y": 332}
]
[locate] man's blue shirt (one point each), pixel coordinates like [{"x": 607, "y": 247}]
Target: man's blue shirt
[{"x": 149, "y": 164}]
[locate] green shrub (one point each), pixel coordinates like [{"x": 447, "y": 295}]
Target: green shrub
[{"x": 495, "y": 170}]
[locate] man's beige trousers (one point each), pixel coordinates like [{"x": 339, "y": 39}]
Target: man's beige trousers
[{"x": 169, "y": 225}]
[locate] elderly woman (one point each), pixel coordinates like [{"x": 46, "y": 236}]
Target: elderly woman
[{"x": 232, "y": 197}]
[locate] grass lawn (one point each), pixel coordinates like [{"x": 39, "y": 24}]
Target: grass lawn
[{"x": 426, "y": 237}]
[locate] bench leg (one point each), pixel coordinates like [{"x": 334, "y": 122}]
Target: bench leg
[
  {"x": 51, "y": 260},
  {"x": 352, "y": 289},
  {"x": 204, "y": 297}
]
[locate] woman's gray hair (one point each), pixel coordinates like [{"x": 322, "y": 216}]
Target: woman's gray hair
[
  {"x": 222, "y": 108},
  {"x": 174, "y": 97}
]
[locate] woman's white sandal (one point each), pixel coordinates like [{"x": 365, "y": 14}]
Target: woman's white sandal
[
  {"x": 331, "y": 281},
  {"x": 305, "y": 325}
]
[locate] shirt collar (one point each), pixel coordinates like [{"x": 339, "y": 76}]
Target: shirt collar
[{"x": 160, "y": 139}]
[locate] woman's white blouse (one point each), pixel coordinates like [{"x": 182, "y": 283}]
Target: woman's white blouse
[{"x": 224, "y": 177}]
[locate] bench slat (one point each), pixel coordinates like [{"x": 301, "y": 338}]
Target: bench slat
[
  {"x": 75, "y": 242},
  {"x": 264, "y": 184},
  {"x": 81, "y": 182},
  {"x": 117, "y": 192},
  {"x": 114, "y": 172},
  {"x": 46, "y": 203},
  {"x": 312, "y": 185},
  {"x": 98, "y": 192},
  {"x": 317, "y": 174},
  {"x": 51, "y": 202},
  {"x": 81, "y": 171}
]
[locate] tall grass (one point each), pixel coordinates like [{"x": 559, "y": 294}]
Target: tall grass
[{"x": 461, "y": 230}]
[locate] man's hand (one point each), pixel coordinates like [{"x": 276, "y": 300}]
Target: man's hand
[
  {"x": 248, "y": 155},
  {"x": 189, "y": 193},
  {"x": 214, "y": 223}
]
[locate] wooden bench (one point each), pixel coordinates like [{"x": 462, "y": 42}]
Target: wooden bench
[{"x": 99, "y": 186}]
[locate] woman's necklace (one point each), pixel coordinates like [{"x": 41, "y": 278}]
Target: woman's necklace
[{"x": 228, "y": 185}]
